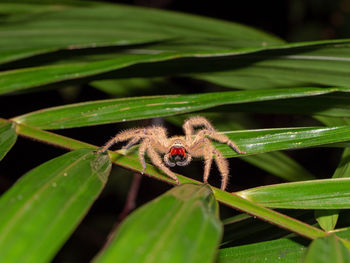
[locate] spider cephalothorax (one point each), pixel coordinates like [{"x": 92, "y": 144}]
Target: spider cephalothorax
[{"x": 178, "y": 150}]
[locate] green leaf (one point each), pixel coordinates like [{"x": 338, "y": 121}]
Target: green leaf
[
  {"x": 44, "y": 207},
  {"x": 327, "y": 249},
  {"x": 327, "y": 65},
  {"x": 280, "y": 250},
  {"x": 125, "y": 109},
  {"x": 280, "y": 165},
  {"x": 135, "y": 63},
  {"x": 287, "y": 250},
  {"x": 82, "y": 24},
  {"x": 330, "y": 105},
  {"x": 266, "y": 140},
  {"x": 182, "y": 225},
  {"x": 313, "y": 194},
  {"x": 328, "y": 219},
  {"x": 8, "y": 137}
]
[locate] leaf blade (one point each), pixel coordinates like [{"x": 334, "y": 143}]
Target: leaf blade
[
  {"x": 8, "y": 137},
  {"x": 51, "y": 199},
  {"x": 126, "y": 109},
  {"x": 185, "y": 213},
  {"x": 313, "y": 194}
]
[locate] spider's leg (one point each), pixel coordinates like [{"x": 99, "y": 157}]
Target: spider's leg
[
  {"x": 132, "y": 142},
  {"x": 222, "y": 165},
  {"x": 142, "y": 150},
  {"x": 122, "y": 136},
  {"x": 220, "y": 138},
  {"x": 155, "y": 158},
  {"x": 208, "y": 159},
  {"x": 195, "y": 121}
]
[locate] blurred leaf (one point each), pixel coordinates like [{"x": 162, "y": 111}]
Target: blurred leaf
[
  {"x": 287, "y": 250},
  {"x": 280, "y": 250},
  {"x": 8, "y": 137},
  {"x": 125, "y": 87},
  {"x": 136, "y": 63},
  {"x": 126, "y": 109},
  {"x": 328, "y": 65},
  {"x": 327, "y": 249},
  {"x": 327, "y": 219},
  {"x": 313, "y": 194},
  {"x": 330, "y": 105},
  {"x": 182, "y": 225},
  {"x": 280, "y": 165},
  {"x": 85, "y": 24},
  {"x": 44, "y": 207},
  {"x": 244, "y": 229}
]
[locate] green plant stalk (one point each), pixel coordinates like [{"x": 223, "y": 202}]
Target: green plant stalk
[{"x": 229, "y": 199}]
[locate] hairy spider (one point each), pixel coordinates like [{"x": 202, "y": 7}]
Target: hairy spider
[{"x": 178, "y": 150}]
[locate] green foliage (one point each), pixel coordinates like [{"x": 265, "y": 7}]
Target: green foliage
[
  {"x": 75, "y": 44},
  {"x": 187, "y": 229}
]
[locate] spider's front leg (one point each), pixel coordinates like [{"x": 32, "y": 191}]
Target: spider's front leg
[
  {"x": 195, "y": 121},
  {"x": 218, "y": 137},
  {"x": 157, "y": 160}
]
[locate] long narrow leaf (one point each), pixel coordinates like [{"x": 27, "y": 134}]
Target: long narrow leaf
[
  {"x": 280, "y": 165},
  {"x": 116, "y": 110},
  {"x": 43, "y": 208},
  {"x": 135, "y": 63},
  {"x": 327, "y": 249},
  {"x": 325, "y": 66},
  {"x": 182, "y": 225},
  {"x": 8, "y": 137},
  {"x": 313, "y": 194},
  {"x": 81, "y": 24},
  {"x": 287, "y": 250}
]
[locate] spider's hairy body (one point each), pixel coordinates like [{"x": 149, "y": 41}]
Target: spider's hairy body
[{"x": 178, "y": 150}]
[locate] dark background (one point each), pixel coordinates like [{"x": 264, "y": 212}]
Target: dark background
[{"x": 296, "y": 20}]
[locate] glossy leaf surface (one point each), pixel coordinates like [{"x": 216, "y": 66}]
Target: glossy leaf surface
[
  {"x": 125, "y": 109},
  {"x": 43, "y": 208},
  {"x": 313, "y": 194},
  {"x": 182, "y": 225}
]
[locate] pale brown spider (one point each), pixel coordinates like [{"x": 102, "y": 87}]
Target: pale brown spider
[{"x": 178, "y": 150}]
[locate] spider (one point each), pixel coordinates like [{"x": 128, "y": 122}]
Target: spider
[{"x": 178, "y": 150}]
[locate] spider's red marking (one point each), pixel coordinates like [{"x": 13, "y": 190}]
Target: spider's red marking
[{"x": 177, "y": 151}]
